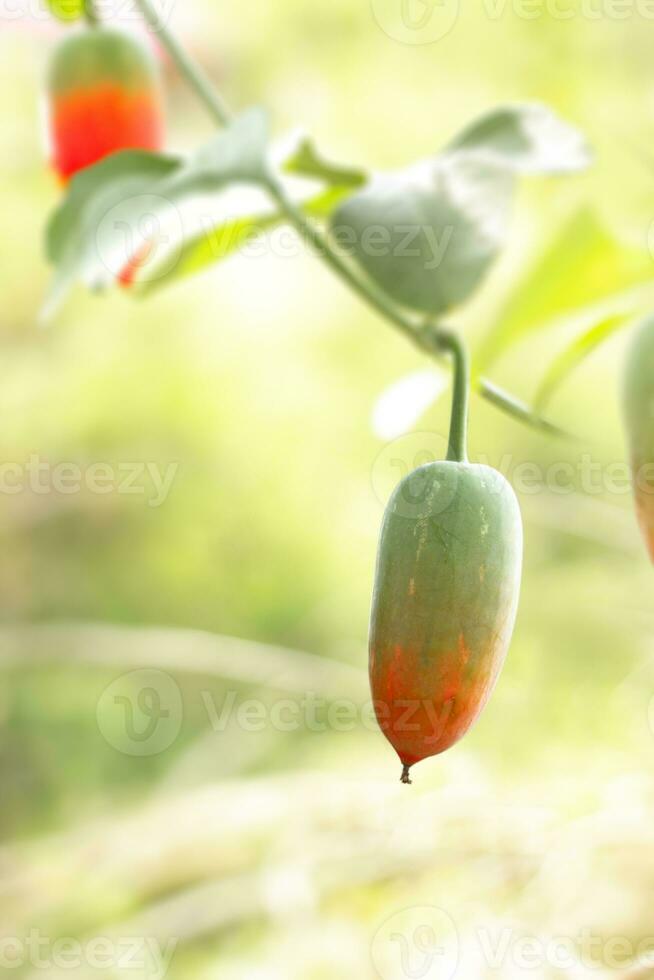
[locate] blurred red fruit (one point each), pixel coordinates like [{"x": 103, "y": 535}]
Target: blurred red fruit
[{"x": 104, "y": 95}]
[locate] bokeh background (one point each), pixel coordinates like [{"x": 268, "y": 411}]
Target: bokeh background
[{"x": 273, "y": 851}]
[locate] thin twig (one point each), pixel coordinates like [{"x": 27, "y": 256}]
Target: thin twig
[{"x": 192, "y": 72}]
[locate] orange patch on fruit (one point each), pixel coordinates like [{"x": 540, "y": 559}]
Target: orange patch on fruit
[
  {"x": 88, "y": 125},
  {"x": 424, "y": 704}
]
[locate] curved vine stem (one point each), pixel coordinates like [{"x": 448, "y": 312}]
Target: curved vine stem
[
  {"x": 194, "y": 75},
  {"x": 430, "y": 337},
  {"x": 457, "y": 450},
  {"x": 519, "y": 410}
]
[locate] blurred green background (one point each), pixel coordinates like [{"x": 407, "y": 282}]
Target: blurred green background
[{"x": 277, "y": 854}]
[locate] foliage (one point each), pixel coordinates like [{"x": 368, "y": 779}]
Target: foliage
[
  {"x": 278, "y": 853},
  {"x": 443, "y": 222}
]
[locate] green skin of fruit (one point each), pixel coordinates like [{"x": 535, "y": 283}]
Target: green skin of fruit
[
  {"x": 639, "y": 417},
  {"x": 444, "y": 604},
  {"x": 85, "y": 58}
]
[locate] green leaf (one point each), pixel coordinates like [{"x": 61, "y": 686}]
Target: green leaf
[
  {"x": 576, "y": 352},
  {"x": 581, "y": 272},
  {"x": 239, "y": 152},
  {"x": 528, "y": 138},
  {"x": 134, "y": 200},
  {"x": 221, "y": 239},
  {"x": 428, "y": 235},
  {"x": 67, "y": 10},
  {"x": 306, "y": 161},
  {"x": 218, "y": 242},
  {"x": 153, "y": 220},
  {"x": 71, "y": 236},
  {"x": 208, "y": 247}
]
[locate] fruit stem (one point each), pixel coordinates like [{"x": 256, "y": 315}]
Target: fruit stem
[
  {"x": 405, "y": 775},
  {"x": 448, "y": 341}
]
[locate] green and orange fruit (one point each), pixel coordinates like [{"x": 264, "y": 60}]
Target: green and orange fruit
[
  {"x": 444, "y": 604},
  {"x": 104, "y": 95}
]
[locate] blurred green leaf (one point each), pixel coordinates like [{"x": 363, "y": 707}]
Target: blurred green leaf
[
  {"x": 573, "y": 355},
  {"x": 67, "y": 9},
  {"x": 428, "y": 234},
  {"x": 306, "y": 161},
  {"x": 71, "y": 236},
  {"x": 215, "y": 243},
  {"x": 206, "y": 248},
  {"x": 133, "y": 200},
  {"x": 126, "y": 218},
  {"x": 583, "y": 266},
  {"x": 528, "y": 138},
  {"x": 240, "y": 152}
]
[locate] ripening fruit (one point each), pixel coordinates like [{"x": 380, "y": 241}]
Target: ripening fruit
[
  {"x": 104, "y": 95},
  {"x": 444, "y": 604},
  {"x": 639, "y": 416}
]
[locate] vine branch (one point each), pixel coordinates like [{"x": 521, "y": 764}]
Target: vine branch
[
  {"x": 457, "y": 448},
  {"x": 432, "y": 338},
  {"x": 188, "y": 67}
]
